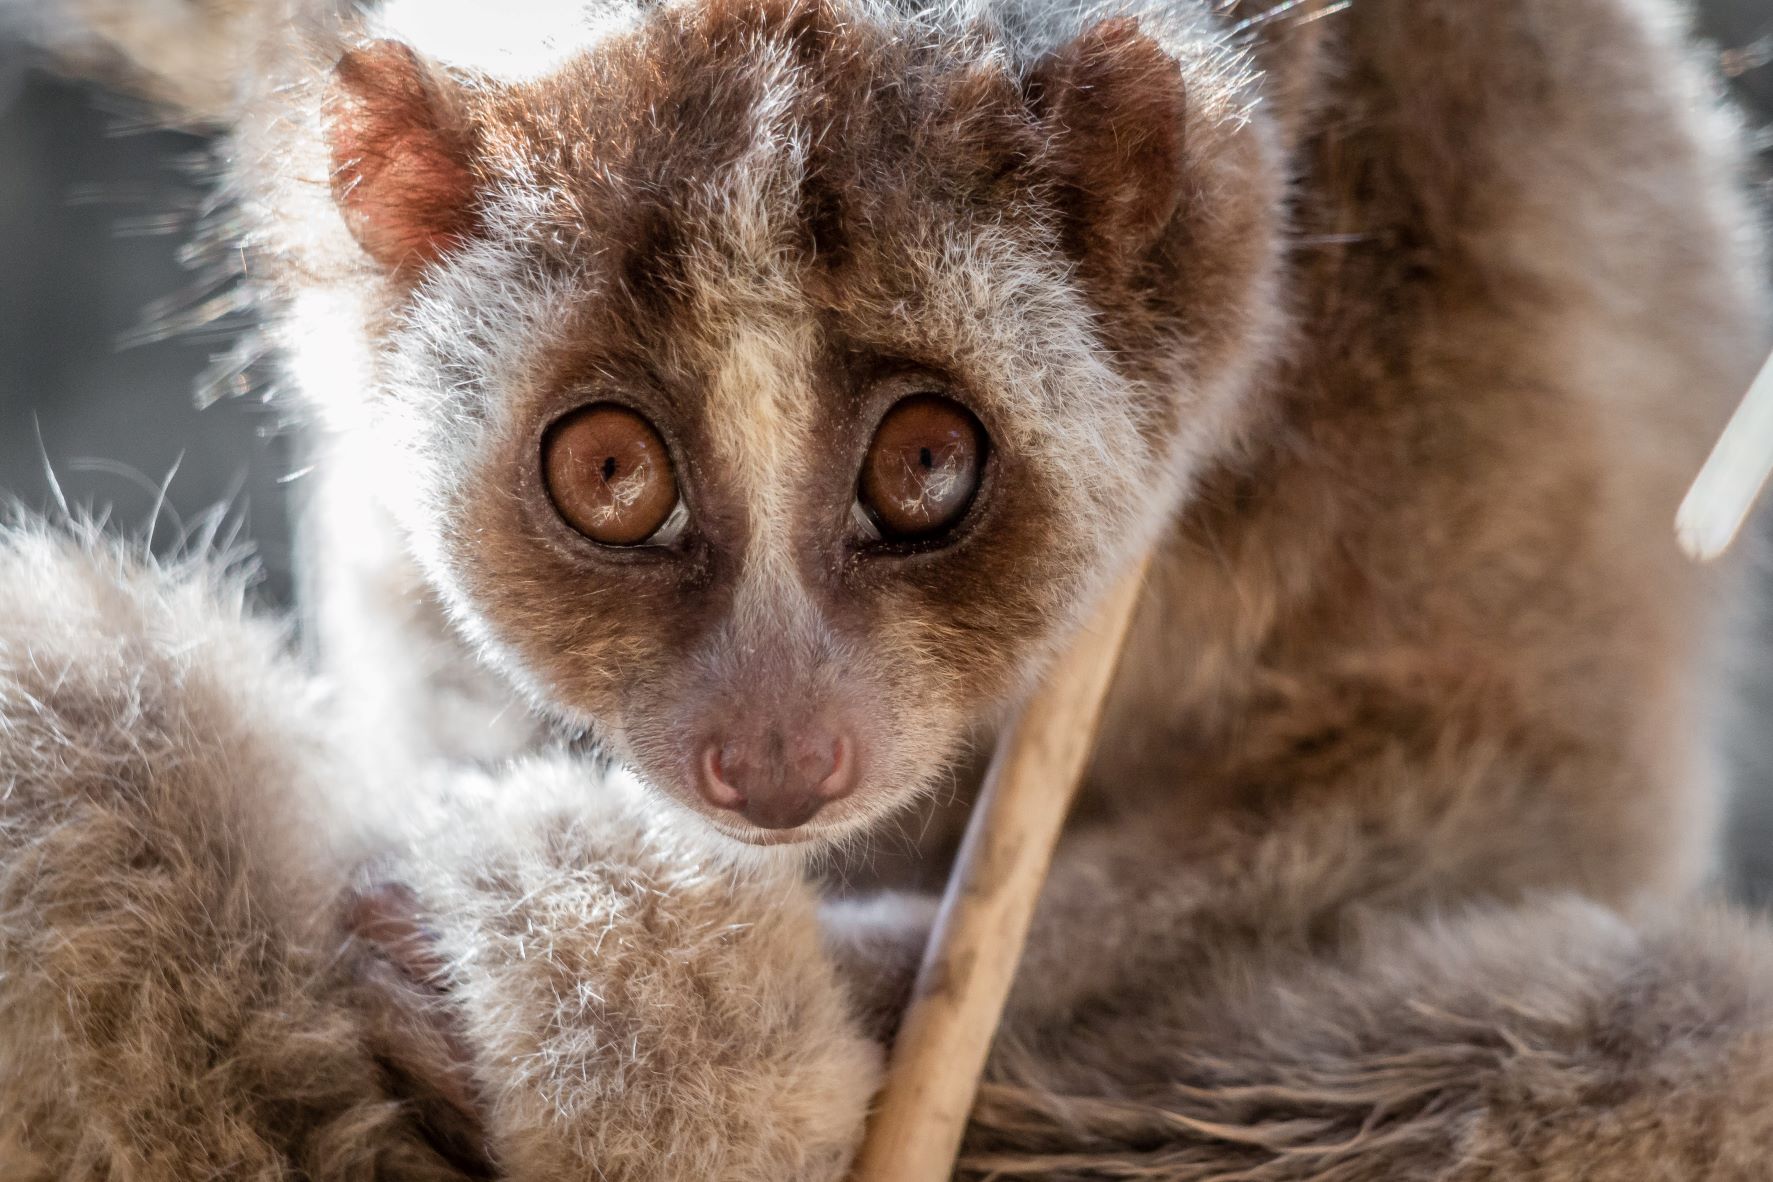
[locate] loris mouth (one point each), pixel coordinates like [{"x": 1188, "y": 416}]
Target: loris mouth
[
  {"x": 841, "y": 826},
  {"x": 805, "y": 835}
]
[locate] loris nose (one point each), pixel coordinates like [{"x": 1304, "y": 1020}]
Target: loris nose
[{"x": 777, "y": 782}]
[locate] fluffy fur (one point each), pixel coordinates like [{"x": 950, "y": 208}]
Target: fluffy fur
[
  {"x": 181, "y": 992},
  {"x": 1397, "y": 327},
  {"x": 182, "y": 997}
]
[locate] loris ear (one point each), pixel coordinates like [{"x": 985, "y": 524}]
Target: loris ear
[
  {"x": 1113, "y": 102},
  {"x": 401, "y": 158}
]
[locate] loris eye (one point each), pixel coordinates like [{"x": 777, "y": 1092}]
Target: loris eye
[
  {"x": 609, "y": 474},
  {"x": 922, "y": 469}
]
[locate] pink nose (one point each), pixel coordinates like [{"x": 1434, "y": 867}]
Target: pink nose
[{"x": 776, "y": 783}]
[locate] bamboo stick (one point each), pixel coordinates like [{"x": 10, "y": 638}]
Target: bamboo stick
[{"x": 916, "y": 1130}]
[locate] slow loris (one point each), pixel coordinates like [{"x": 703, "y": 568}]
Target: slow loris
[{"x": 756, "y": 393}]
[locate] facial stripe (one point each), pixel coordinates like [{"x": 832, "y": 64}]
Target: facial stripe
[
  {"x": 760, "y": 338},
  {"x": 759, "y": 411}
]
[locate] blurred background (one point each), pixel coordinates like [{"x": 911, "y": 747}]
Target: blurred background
[
  {"x": 95, "y": 209},
  {"x": 98, "y": 410}
]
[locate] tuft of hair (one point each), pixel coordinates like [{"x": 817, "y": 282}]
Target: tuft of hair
[{"x": 190, "y": 58}]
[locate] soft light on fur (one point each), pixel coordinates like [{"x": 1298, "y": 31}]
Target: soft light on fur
[
  {"x": 180, "y": 996},
  {"x": 632, "y": 1000},
  {"x": 1398, "y": 327}
]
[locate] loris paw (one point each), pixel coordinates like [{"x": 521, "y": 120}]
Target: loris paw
[
  {"x": 877, "y": 943},
  {"x": 414, "y": 1028},
  {"x": 644, "y": 1001}
]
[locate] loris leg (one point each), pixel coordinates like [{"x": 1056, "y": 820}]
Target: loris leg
[
  {"x": 1551, "y": 1042},
  {"x": 1198, "y": 998}
]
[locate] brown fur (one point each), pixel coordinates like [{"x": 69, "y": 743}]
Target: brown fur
[
  {"x": 592, "y": 989},
  {"x": 1551, "y": 1043},
  {"x": 1399, "y": 339}
]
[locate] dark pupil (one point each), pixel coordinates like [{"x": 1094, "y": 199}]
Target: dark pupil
[
  {"x": 609, "y": 468},
  {"x": 925, "y": 458}
]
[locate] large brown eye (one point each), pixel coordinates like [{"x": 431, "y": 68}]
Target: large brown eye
[
  {"x": 608, "y": 473},
  {"x": 923, "y": 467}
]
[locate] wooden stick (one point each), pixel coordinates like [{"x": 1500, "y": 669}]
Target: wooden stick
[
  {"x": 965, "y": 979},
  {"x": 1733, "y": 476}
]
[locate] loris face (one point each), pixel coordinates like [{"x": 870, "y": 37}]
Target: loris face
[{"x": 773, "y": 387}]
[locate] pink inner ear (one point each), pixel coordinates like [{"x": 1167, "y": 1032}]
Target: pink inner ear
[
  {"x": 1116, "y": 103},
  {"x": 400, "y": 169}
]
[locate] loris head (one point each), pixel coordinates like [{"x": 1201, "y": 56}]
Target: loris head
[{"x": 773, "y": 385}]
